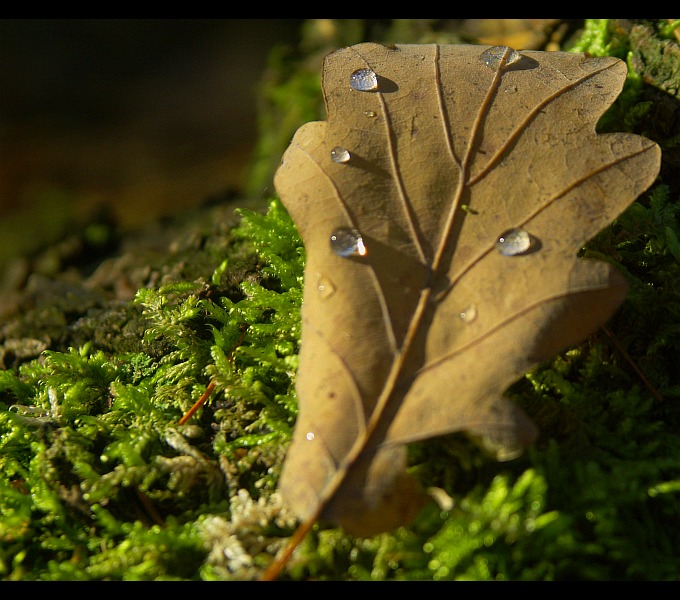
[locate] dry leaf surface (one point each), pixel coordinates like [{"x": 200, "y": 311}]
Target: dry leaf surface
[{"x": 442, "y": 205}]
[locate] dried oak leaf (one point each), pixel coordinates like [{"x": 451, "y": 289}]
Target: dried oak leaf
[{"x": 442, "y": 205}]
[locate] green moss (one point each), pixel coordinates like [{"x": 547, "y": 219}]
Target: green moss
[{"x": 100, "y": 481}]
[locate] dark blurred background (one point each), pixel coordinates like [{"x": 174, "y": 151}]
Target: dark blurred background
[{"x": 143, "y": 117}]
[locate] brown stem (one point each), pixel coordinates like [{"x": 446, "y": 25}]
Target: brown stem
[{"x": 629, "y": 359}]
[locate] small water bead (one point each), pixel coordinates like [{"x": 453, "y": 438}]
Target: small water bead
[
  {"x": 347, "y": 242},
  {"x": 513, "y": 242},
  {"x": 468, "y": 314},
  {"x": 363, "y": 80},
  {"x": 325, "y": 287},
  {"x": 340, "y": 155},
  {"x": 310, "y": 436},
  {"x": 493, "y": 57},
  {"x": 370, "y": 113}
]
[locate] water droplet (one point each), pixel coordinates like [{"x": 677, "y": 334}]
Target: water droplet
[
  {"x": 493, "y": 57},
  {"x": 340, "y": 155},
  {"x": 325, "y": 287},
  {"x": 370, "y": 113},
  {"x": 347, "y": 242},
  {"x": 363, "y": 80},
  {"x": 468, "y": 314},
  {"x": 310, "y": 436},
  {"x": 513, "y": 242}
]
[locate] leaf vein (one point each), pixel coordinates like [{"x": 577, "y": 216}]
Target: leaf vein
[
  {"x": 351, "y": 221},
  {"x": 521, "y": 126}
]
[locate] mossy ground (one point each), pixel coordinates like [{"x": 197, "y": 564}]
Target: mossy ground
[{"x": 101, "y": 481}]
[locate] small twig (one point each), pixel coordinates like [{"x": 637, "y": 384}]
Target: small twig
[
  {"x": 150, "y": 510},
  {"x": 274, "y": 569},
  {"x": 629, "y": 359},
  {"x": 200, "y": 402},
  {"x": 211, "y": 386}
]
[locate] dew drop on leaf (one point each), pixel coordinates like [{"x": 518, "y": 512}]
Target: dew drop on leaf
[
  {"x": 347, "y": 242},
  {"x": 468, "y": 314},
  {"x": 340, "y": 155},
  {"x": 363, "y": 80},
  {"x": 513, "y": 242},
  {"x": 493, "y": 57},
  {"x": 325, "y": 287}
]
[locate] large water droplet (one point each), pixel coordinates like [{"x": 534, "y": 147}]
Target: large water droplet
[
  {"x": 513, "y": 242},
  {"x": 340, "y": 155},
  {"x": 468, "y": 314},
  {"x": 347, "y": 242},
  {"x": 363, "y": 80},
  {"x": 493, "y": 57}
]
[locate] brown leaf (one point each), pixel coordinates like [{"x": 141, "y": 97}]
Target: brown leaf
[{"x": 422, "y": 326}]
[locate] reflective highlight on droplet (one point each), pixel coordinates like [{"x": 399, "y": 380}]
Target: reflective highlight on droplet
[
  {"x": 310, "y": 436},
  {"x": 340, "y": 155},
  {"x": 468, "y": 314},
  {"x": 347, "y": 242},
  {"x": 363, "y": 80},
  {"x": 513, "y": 242},
  {"x": 493, "y": 57}
]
